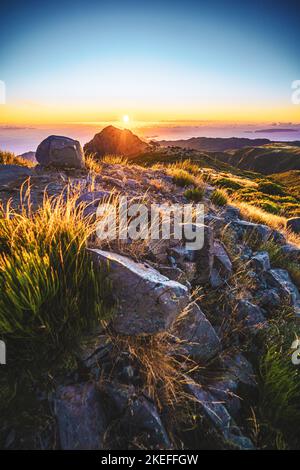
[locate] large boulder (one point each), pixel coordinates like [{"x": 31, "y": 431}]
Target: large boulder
[
  {"x": 148, "y": 302},
  {"x": 115, "y": 142},
  {"x": 60, "y": 151},
  {"x": 80, "y": 416}
]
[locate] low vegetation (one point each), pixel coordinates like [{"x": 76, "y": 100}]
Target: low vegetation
[
  {"x": 278, "y": 410},
  {"x": 9, "y": 158},
  {"x": 195, "y": 194},
  {"x": 182, "y": 177},
  {"x": 51, "y": 293},
  {"x": 219, "y": 197}
]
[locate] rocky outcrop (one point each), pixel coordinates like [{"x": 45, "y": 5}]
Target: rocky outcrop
[
  {"x": 148, "y": 302},
  {"x": 113, "y": 141},
  {"x": 59, "y": 151}
]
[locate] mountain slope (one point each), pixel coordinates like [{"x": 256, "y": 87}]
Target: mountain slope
[{"x": 267, "y": 159}]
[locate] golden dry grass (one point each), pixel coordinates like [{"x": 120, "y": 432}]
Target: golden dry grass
[
  {"x": 162, "y": 367},
  {"x": 9, "y": 158},
  {"x": 258, "y": 215},
  {"x": 115, "y": 160},
  {"x": 92, "y": 164}
]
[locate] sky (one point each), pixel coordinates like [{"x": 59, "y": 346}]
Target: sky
[{"x": 89, "y": 61}]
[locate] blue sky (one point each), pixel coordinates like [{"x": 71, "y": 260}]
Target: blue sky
[{"x": 94, "y": 60}]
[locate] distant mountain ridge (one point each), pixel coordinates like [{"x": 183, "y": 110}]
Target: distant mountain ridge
[
  {"x": 220, "y": 144},
  {"x": 215, "y": 144}
]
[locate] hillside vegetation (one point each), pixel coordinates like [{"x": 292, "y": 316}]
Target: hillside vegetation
[{"x": 266, "y": 159}]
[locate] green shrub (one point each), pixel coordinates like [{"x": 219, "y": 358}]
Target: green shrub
[
  {"x": 219, "y": 197},
  {"x": 188, "y": 166},
  {"x": 195, "y": 194},
  {"x": 50, "y": 291},
  {"x": 268, "y": 187},
  {"x": 279, "y": 389},
  {"x": 268, "y": 206},
  {"x": 182, "y": 177},
  {"x": 228, "y": 183}
]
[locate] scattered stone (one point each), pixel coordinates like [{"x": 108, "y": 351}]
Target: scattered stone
[
  {"x": 261, "y": 261},
  {"x": 268, "y": 298},
  {"x": 219, "y": 418},
  {"x": 199, "y": 339},
  {"x": 215, "y": 279},
  {"x": 60, "y": 151},
  {"x": 204, "y": 258},
  {"x": 257, "y": 232},
  {"x": 175, "y": 274},
  {"x": 280, "y": 279},
  {"x": 91, "y": 200},
  {"x": 293, "y": 224},
  {"x": 240, "y": 369},
  {"x": 225, "y": 392},
  {"x": 137, "y": 415},
  {"x": 292, "y": 252},
  {"x": 232, "y": 212},
  {"x": 148, "y": 302},
  {"x": 80, "y": 416},
  {"x": 222, "y": 263},
  {"x": 93, "y": 349},
  {"x": 251, "y": 315}
]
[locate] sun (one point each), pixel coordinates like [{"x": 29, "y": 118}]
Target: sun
[{"x": 126, "y": 118}]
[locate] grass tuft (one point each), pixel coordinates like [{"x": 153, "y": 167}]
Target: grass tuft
[
  {"x": 50, "y": 292},
  {"x": 195, "y": 194},
  {"x": 219, "y": 197}
]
